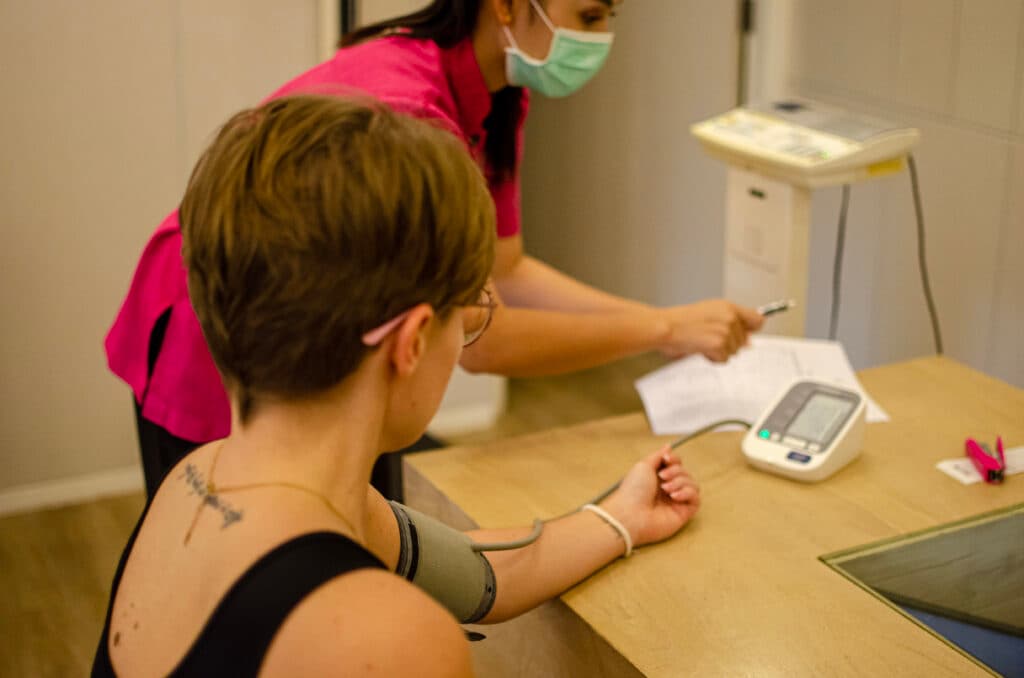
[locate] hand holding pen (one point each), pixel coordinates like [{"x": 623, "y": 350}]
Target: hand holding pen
[
  {"x": 715, "y": 328},
  {"x": 774, "y": 307}
]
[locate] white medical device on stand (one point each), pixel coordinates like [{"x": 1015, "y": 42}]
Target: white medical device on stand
[{"x": 777, "y": 153}]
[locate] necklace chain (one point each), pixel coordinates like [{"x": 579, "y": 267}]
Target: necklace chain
[{"x": 212, "y": 490}]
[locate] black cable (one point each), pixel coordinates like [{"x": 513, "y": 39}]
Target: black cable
[
  {"x": 742, "y": 61},
  {"x": 837, "y": 265},
  {"x": 922, "y": 262},
  {"x": 346, "y": 17},
  {"x": 538, "y": 524}
]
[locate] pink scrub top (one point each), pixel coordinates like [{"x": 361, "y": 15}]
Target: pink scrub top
[{"x": 185, "y": 394}]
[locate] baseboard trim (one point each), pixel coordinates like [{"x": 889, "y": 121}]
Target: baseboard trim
[{"x": 74, "y": 490}]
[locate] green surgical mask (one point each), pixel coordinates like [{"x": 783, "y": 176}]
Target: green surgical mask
[{"x": 574, "y": 58}]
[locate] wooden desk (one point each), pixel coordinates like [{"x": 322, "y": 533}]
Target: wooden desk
[{"x": 740, "y": 591}]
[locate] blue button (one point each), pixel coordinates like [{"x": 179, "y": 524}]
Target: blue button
[
  {"x": 764, "y": 433},
  {"x": 797, "y": 456}
]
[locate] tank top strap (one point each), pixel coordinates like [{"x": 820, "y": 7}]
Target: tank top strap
[{"x": 239, "y": 632}]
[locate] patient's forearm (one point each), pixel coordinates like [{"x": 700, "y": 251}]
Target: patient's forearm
[{"x": 569, "y": 550}]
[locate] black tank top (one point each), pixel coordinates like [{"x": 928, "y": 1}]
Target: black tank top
[{"x": 238, "y": 633}]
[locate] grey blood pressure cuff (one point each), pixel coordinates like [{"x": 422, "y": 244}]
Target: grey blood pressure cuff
[{"x": 441, "y": 561}]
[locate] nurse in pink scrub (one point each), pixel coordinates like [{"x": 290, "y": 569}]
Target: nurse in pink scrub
[{"x": 470, "y": 66}]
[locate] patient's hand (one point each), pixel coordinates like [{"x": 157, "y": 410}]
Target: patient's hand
[{"x": 656, "y": 498}]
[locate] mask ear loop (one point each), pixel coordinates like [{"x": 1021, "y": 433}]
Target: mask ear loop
[
  {"x": 544, "y": 17},
  {"x": 511, "y": 41}
]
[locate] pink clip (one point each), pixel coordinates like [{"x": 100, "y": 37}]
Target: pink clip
[{"x": 990, "y": 465}]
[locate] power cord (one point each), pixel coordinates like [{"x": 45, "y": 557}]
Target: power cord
[
  {"x": 837, "y": 265},
  {"x": 922, "y": 261},
  {"x": 538, "y": 524}
]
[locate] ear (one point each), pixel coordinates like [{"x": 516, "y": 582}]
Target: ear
[
  {"x": 503, "y": 10},
  {"x": 410, "y": 342}
]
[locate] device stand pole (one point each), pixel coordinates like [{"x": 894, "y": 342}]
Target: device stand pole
[{"x": 767, "y": 232}]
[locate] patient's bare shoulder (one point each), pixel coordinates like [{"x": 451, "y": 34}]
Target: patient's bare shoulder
[{"x": 369, "y": 623}]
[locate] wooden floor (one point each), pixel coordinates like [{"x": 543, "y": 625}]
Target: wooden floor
[{"x": 56, "y": 565}]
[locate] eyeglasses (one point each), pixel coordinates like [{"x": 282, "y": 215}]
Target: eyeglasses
[{"x": 476, "y": 318}]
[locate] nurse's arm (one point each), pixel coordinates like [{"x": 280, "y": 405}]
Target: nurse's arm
[
  {"x": 527, "y": 282},
  {"x": 552, "y": 324},
  {"x": 524, "y": 342}
]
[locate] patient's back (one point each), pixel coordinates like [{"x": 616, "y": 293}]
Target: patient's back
[{"x": 267, "y": 583}]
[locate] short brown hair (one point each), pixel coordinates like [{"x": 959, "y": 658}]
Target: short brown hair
[{"x": 311, "y": 220}]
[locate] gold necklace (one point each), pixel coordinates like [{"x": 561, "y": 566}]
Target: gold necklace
[{"x": 213, "y": 491}]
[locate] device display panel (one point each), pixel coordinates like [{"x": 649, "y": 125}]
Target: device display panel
[{"x": 820, "y": 418}]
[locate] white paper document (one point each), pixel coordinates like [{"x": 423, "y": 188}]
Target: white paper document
[{"x": 694, "y": 392}]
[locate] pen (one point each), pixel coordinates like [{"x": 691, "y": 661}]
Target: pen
[{"x": 776, "y": 307}]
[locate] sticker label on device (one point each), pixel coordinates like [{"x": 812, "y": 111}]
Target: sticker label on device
[{"x": 797, "y": 456}]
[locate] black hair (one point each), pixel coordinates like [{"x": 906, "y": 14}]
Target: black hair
[{"x": 448, "y": 22}]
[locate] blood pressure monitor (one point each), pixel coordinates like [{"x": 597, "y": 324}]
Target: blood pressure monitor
[{"x": 811, "y": 431}]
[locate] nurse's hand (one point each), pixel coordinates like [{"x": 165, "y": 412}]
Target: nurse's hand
[
  {"x": 716, "y": 328},
  {"x": 655, "y": 498}
]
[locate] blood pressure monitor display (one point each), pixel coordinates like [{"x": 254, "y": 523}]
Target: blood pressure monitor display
[
  {"x": 812, "y": 430},
  {"x": 820, "y": 418}
]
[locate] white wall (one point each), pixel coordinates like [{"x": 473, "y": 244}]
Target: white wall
[
  {"x": 615, "y": 190},
  {"x": 954, "y": 69},
  {"x": 106, "y": 106}
]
